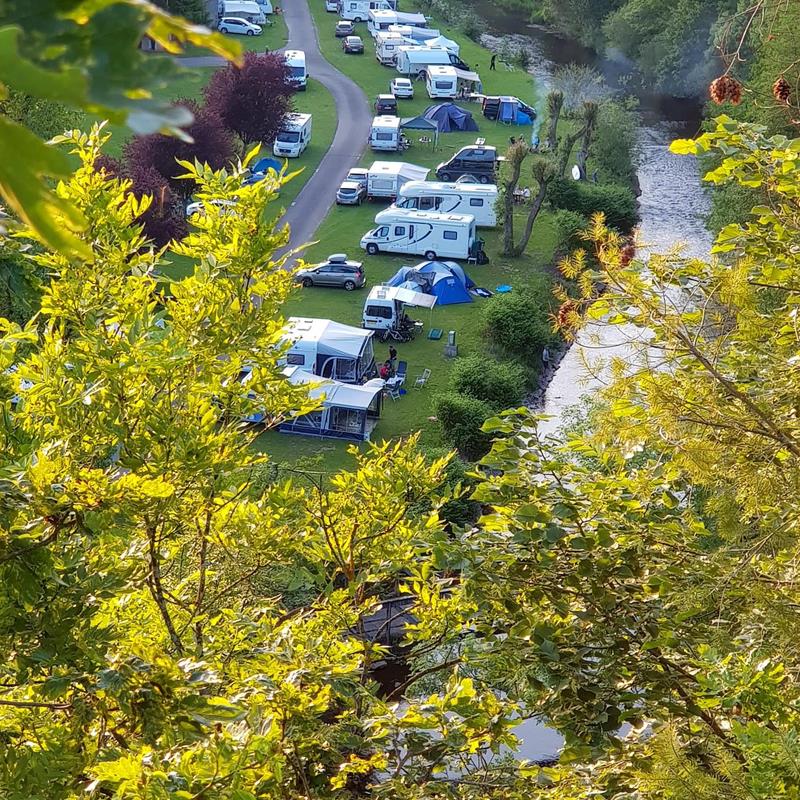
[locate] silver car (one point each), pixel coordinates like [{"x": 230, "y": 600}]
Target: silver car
[
  {"x": 337, "y": 271},
  {"x": 351, "y": 193}
]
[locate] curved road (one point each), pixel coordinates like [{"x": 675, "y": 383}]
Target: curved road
[{"x": 354, "y": 118}]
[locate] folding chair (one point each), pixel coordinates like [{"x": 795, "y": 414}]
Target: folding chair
[
  {"x": 422, "y": 380},
  {"x": 402, "y": 369}
]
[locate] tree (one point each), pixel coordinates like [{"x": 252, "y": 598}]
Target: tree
[
  {"x": 555, "y": 102},
  {"x": 42, "y": 117},
  {"x": 590, "y": 115},
  {"x": 253, "y": 98},
  {"x": 515, "y": 156},
  {"x": 164, "y": 220},
  {"x": 209, "y": 143},
  {"x": 543, "y": 173},
  {"x": 71, "y": 54}
]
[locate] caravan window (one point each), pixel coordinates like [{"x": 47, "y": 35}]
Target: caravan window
[
  {"x": 429, "y": 203},
  {"x": 476, "y": 201},
  {"x": 296, "y": 359},
  {"x": 399, "y": 230},
  {"x": 452, "y": 235},
  {"x": 384, "y": 312},
  {"x": 384, "y": 137},
  {"x": 443, "y": 84}
]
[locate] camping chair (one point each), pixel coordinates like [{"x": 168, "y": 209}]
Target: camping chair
[
  {"x": 393, "y": 390},
  {"x": 402, "y": 369},
  {"x": 422, "y": 380}
]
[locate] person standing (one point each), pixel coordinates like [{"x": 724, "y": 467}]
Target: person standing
[
  {"x": 492, "y": 62},
  {"x": 392, "y": 356}
]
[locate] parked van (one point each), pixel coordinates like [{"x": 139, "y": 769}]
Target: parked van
[
  {"x": 385, "y": 133},
  {"x": 441, "y": 81},
  {"x": 384, "y": 178},
  {"x": 385, "y": 309},
  {"x": 386, "y": 45},
  {"x": 451, "y": 198},
  {"x": 244, "y": 9},
  {"x": 296, "y": 61},
  {"x": 294, "y": 136},
  {"x": 413, "y": 60},
  {"x": 379, "y": 20},
  {"x": 331, "y": 5},
  {"x": 477, "y": 160},
  {"x": 424, "y": 233},
  {"x": 358, "y": 10}
]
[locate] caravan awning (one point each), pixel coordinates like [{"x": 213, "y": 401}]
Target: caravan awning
[
  {"x": 471, "y": 77},
  {"x": 332, "y": 338},
  {"x": 335, "y": 393},
  {"x": 412, "y": 298}
]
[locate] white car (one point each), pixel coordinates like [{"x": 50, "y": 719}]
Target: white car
[
  {"x": 239, "y": 25},
  {"x": 402, "y": 87}
]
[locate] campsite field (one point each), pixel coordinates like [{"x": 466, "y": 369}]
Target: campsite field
[{"x": 344, "y": 226}]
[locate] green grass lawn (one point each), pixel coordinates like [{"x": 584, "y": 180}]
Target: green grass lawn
[{"x": 345, "y": 225}]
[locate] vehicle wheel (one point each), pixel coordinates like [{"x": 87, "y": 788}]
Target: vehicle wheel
[
  {"x": 446, "y": 177},
  {"x": 349, "y": 286},
  {"x": 358, "y": 19},
  {"x": 372, "y": 249},
  {"x": 307, "y": 282},
  {"x": 430, "y": 255},
  {"x": 223, "y": 30},
  {"x": 484, "y": 179},
  {"x": 250, "y": 33}
]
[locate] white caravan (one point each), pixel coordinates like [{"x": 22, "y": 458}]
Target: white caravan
[
  {"x": 384, "y": 308},
  {"x": 265, "y": 6},
  {"x": 380, "y": 19},
  {"x": 293, "y": 137},
  {"x": 476, "y": 199},
  {"x": 414, "y": 61},
  {"x": 298, "y": 74},
  {"x": 385, "y": 133},
  {"x": 384, "y": 178},
  {"x": 423, "y": 233},
  {"x": 358, "y": 10},
  {"x": 386, "y": 45},
  {"x": 244, "y": 9},
  {"x": 441, "y": 82},
  {"x": 418, "y": 35}
]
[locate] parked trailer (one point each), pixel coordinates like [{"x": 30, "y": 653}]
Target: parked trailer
[
  {"x": 386, "y": 45},
  {"x": 379, "y": 19},
  {"x": 358, "y": 10},
  {"x": 424, "y": 233},
  {"x": 417, "y": 35},
  {"x": 413, "y": 60},
  {"x": 384, "y": 178},
  {"x": 476, "y": 199},
  {"x": 441, "y": 82},
  {"x": 385, "y": 133},
  {"x": 294, "y": 136},
  {"x": 243, "y": 9}
]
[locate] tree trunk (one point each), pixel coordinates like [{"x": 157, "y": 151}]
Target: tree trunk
[
  {"x": 566, "y": 152},
  {"x": 535, "y": 208},
  {"x": 552, "y": 127},
  {"x": 583, "y": 154},
  {"x": 157, "y": 590},
  {"x": 508, "y": 206}
]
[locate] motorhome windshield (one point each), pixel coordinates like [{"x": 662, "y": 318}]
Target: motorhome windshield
[{"x": 288, "y": 136}]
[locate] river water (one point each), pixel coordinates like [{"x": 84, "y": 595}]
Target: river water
[{"x": 672, "y": 207}]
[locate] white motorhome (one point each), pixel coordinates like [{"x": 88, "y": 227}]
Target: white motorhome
[
  {"x": 380, "y": 19},
  {"x": 424, "y": 233},
  {"x": 296, "y": 61},
  {"x": 244, "y": 9},
  {"x": 293, "y": 137},
  {"x": 358, "y": 10},
  {"x": 386, "y": 45},
  {"x": 384, "y": 178},
  {"x": 441, "y": 81},
  {"x": 384, "y": 308},
  {"x": 385, "y": 133},
  {"x": 476, "y": 199}
]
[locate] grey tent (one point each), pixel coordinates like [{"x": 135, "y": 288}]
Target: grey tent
[
  {"x": 421, "y": 124},
  {"x": 450, "y": 117}
]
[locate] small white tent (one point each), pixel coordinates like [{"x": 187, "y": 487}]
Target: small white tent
[{"x": 445, "y": 44}]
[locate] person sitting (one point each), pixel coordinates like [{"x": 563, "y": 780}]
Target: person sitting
[{"x": 385, "y": 371}]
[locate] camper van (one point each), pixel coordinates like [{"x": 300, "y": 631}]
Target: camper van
[
  {"x": 296, "y": 61},
  {"x": 294, "y": 136},
  {"x": 385, "y": 133},
  {"x": 358, "y": 10},
  {"x": 441, "y": 81},
  {"x": 384, "y": 310},
  {"x": 380, "y": 19},
  {"x": 475, "y": 199},
  {"x": 386, "y": 45},
  {"x": 414, "y": 60},
  {"x": 244, "y": 9},
  {"x": 424, "y": 233},
  {"x": 384, "y": 178}
]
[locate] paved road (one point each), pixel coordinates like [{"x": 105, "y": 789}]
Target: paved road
[{"x": 354, "y": 119}]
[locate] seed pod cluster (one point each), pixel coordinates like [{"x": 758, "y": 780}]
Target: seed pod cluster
[
  {"x": 724, "y": 89},
  {"x": 782, "y": 91}
]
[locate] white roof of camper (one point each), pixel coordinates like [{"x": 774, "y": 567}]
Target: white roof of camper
[
  {"x": 386, "y": 121},
  {"x": 415, "y": 20},
  {"x": 407, "y": 296},
  {"x": 412, "y": 171},
  {"x": 395, "y": 214},
  {"x": 442, "y": 71},
  {"x": 335, "y": 393},
  {"x": 330, "y": 338}
]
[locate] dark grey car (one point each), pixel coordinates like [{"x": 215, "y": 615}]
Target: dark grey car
[{"x": 337, "y": 271}]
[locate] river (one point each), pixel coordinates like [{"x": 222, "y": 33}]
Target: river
[{"x": 673, "y": 205}]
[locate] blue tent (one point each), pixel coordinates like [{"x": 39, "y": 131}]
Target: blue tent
[
  {"x": 445, "y": 280},
  {"x": 450, "y": 117}
]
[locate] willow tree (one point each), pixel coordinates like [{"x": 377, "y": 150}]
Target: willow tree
[{"x": 555, "y": 103}]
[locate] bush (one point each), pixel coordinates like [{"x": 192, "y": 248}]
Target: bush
[
  {"x": 518, "y": 324},
  {"x": 461, "y": 418},
  {"x": 500, "y": 385},
  {"x": 614, "y": 147},
  {"x": 616, "y": 202},
  {"x": 460, "y": 511},
  {"x": 569, "y": 225}
]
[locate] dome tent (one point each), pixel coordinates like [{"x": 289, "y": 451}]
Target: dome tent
[
  {"x": 445, "y": 280},
  {"x": 449, "y": 117},
  {"x": 444, "y": 43}
]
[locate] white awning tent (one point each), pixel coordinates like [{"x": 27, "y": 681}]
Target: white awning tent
[
  {"x": 335, "y": 393},
  {"x": 410, "y": 172},
  {"x": 445, "y": 44},
  {"x": 331, "y": 338},
  {"x": 406, "y": 296}
]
